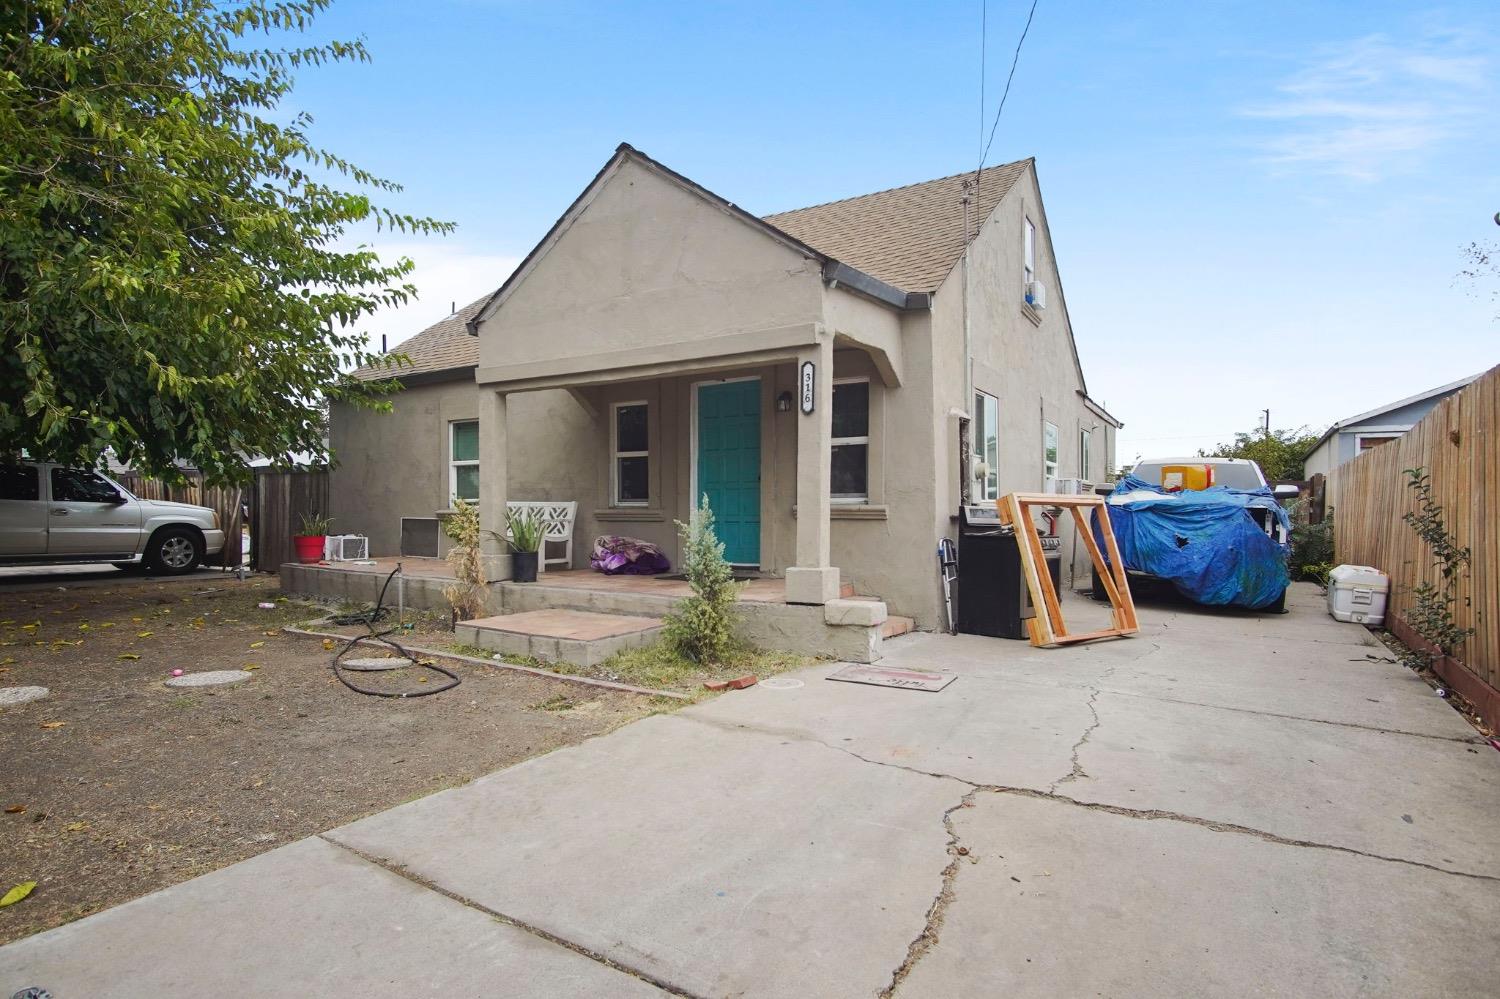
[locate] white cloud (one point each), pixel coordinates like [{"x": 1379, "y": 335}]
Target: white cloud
[
  {"x": 1369, "y": 107},
  {"x": 446, "y": 275}
]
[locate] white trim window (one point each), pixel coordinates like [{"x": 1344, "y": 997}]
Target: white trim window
[
  {"x": 1049, "y": 457},
  {"x": 987, "y": 443},
  {"x": 630, "y": 454},
  {"x": 1028, "y": 259},
  {"x": 851, "y": 441},
  {"x": 1085, "y": 452},
  {"x": 1364, "y": 442},
  {"x": 463, "y": 460}
]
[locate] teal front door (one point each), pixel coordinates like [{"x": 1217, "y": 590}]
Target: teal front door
[{"x": 729, "y": 465}]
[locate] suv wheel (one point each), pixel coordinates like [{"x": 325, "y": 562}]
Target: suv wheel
[{"x": 175, "y": 551}]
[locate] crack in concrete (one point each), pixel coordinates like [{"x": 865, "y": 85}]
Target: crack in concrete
[
  {"x": 1077, "y": 770},
  {"x": 1158, "y": 814},
  {"x": 1464, "y": 739},
  {"x": 1145, "y": 814},
  {"x": 408, "y": 875},
  {"x": 933, "y": 925}
]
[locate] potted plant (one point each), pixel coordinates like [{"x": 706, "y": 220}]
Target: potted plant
[
  {"x": 309, "y": 543},
  {"x": 524, "y": 529}
]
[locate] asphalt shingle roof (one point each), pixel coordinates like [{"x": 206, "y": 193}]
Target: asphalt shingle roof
[
  {"x": 442, "y": 346},
  {"x": 909, "y": 237}
]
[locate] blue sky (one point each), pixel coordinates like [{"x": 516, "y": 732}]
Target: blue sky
[{"x": 1253, "y": 204}]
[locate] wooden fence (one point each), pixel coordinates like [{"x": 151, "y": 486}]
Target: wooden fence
[
  {"x": 1458, "y": 444},
  {"x": 227, "y": 501},
  {"x": 278, "y": 500}
]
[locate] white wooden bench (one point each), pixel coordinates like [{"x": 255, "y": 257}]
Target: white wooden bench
[{"x": 557, "y": 523}]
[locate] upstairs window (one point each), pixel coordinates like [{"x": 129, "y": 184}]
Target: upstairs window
[
  {"x": 631, "y": 457},
  {"x": 851, "y": 441},
  {"x": 463, "y": 461},
  {"x": 1049, "y": 456},
  {"x": 1028, "y": 266},
  {"x": 987, "y": 443}
]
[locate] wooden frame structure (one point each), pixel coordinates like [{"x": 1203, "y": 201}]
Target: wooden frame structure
[{"x": 1047, "y": 627}]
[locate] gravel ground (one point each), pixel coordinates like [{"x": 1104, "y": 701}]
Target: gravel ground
[{"x": 115, "y": 785}]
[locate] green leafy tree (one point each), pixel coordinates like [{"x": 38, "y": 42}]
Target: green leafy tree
[
  {"x": 701, "y": 627},
  {"x": 172, "y": 284},
  {"x": 1279, "y": 453}
]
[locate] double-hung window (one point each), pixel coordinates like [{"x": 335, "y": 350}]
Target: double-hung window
[
  {"x": 987, "y": 443},
  {"x": 1085, "y": 446},
  {"x": 1028, "y": 267},
  {"x": 631, "y": 457},
  {"x": 463, "y": 461},
  {"x": 851, "y": 441},
  {"x": 1049, "y": 456}
]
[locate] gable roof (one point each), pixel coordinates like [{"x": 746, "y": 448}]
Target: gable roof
[
  {"x": 909, "y": 237},
  {"x": 1356, "y": 420},
  {"x": 895, "y": 245}
]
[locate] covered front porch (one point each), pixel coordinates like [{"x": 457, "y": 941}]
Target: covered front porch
[{"x": 780, "y": 433}]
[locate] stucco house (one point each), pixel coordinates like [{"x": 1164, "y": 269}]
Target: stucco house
[
  {"x": 817, "y": 373},
  {"x": 1349, "y": 438}
]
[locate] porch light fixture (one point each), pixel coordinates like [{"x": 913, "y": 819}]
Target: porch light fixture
[{"x": 784, "y": 402}]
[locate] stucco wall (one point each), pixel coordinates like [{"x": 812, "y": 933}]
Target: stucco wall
[
  {"x": 647, "y": 263},
  {"x": 1028, "y": 366},
  {"x": 394, "y": 465}
]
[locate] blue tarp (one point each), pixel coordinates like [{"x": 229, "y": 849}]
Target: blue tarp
[{"x": 1204, "y": 541}]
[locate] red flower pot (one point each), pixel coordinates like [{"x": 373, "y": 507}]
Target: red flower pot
[{"x": 309, "y": 548}]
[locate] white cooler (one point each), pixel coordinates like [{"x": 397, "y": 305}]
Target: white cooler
[{"x": 1357, "y": 593}]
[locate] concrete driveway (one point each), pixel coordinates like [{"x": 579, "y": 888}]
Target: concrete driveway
[{"x": 1223, "y": 805}]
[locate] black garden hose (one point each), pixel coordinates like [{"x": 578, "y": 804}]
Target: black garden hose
[{"x": 368, "y": 619}]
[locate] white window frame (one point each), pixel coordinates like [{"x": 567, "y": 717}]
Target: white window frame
[
  {"x": 850, "y": 499},
  {"x": 1049, "y": 468},
  {"x": 1085, "y": 452},
  {"x": 454, "y": 464},
  {"x": 1359, "y": 439},
  {"x": 615, "y": 454},
  {"x": 1028, "y": 254},
  {"x": 982, "y": 400}
]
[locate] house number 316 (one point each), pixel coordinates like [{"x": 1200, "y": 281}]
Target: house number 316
[{"x": 809, "y": 384}]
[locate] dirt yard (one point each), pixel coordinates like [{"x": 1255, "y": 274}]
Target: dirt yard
[{"x": 115, "y": 785}]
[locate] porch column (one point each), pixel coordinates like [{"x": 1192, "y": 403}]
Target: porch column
[
  {"x": 813, "y": 580},
  {"x": 492, "y": 483}
]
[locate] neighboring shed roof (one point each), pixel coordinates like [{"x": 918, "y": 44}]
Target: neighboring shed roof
[
  {"x": 908, "y": 236},
  {"x": 1366, "y": 417}
]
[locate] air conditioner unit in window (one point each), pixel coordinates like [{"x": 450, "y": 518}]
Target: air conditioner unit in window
[
  {"x": 1036, "y": 295},
  {"x": 1073, "y": 487},
  {"x": 346, "y": 548}
]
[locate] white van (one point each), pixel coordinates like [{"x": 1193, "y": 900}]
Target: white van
[{"x": 54, "y": 514}]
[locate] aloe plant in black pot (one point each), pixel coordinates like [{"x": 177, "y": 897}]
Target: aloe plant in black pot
[{"x": 524, "y": 531}]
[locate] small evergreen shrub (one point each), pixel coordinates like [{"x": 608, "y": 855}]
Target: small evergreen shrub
[
  {"x": 466, "y": 594},
  {"x": 702, "y": 625}
]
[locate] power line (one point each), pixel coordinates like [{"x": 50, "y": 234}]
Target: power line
[{"x": 1016, "y": 58}]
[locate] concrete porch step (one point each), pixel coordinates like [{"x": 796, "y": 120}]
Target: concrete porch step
[
  {"x": 896, "y": 625},
  {"x": 584, "y": 638}
]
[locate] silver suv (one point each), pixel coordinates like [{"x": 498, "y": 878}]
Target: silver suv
[{"x": 52, "y": 513}]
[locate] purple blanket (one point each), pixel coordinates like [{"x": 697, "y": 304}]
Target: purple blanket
[{"x": 617, "y": 556}]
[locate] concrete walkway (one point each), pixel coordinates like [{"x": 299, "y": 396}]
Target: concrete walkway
[{"x": 1223, "y": 805}]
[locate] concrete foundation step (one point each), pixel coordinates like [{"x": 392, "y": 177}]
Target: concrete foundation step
[
  {"x": 584, "y": 638},
  {"x": 897, "y": 625}
]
